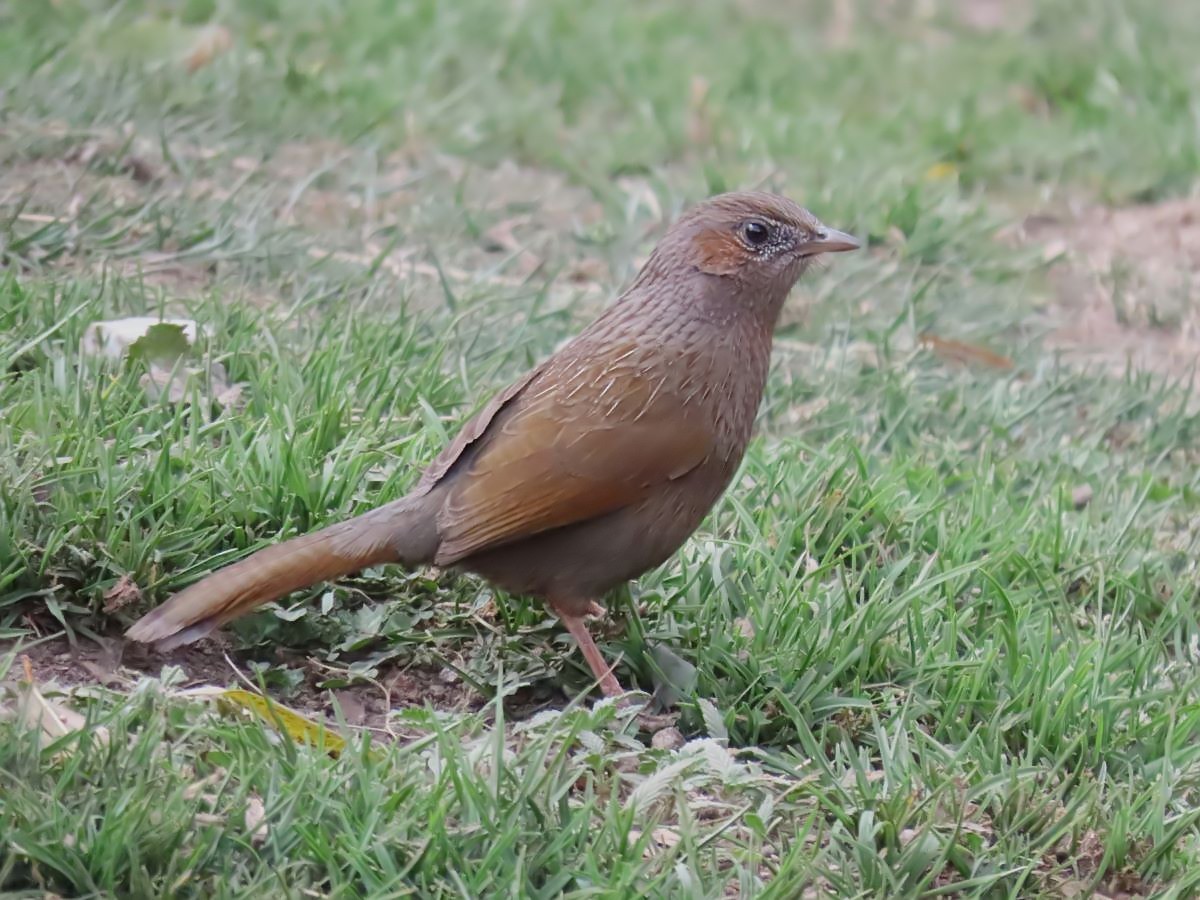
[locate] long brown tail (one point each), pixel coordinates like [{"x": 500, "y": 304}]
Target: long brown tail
[{"x": 402, "y": 531}]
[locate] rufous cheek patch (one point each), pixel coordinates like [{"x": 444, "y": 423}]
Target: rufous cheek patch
[{"x": 718, "y": 252}]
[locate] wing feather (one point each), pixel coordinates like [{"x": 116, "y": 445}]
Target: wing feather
[{"x": 552, "y": 454}]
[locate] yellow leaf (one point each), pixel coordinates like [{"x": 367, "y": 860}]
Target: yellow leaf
[
  {"x": 941, "y": 171},
  {"x": 290, "y": 722}
]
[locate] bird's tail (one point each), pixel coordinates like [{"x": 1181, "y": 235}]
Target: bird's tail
[{"x": 397, "y": 532}]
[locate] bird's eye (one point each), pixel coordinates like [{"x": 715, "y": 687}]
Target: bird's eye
[{"x": 756, "y": 233}]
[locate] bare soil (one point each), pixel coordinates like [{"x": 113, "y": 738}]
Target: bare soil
[
  {"x": 117, "y": 664},
  {"x": 512, "y": 225},
  {"x": 1126, "y": 284}
]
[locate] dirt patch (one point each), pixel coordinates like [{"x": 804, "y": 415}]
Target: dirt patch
[
  {"x": 931, "y": 21},
  {"x": 83, "y": 202},
  {"x": 430, "y": 217},
  {"x": 994, "y": 15},
  {"x": 1071, "y": 870},
  {"x": 1125, "y": 284},
  {"x": 118, "y": 665},
  {"x": 90, "y": 200}
]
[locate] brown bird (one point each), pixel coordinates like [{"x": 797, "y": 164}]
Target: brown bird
[{"x": 595, "y": 466}]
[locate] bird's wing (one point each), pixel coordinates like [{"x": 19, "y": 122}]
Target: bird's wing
[
  {"x": 566, "y": 448},
  {"x": 475, "y": 429}
]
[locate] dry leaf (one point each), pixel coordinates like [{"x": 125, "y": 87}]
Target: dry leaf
[
  {"x": 160, "y": 381},
  {"x": 230, "y": 396},
  {"x": 211, "y": 43},
  {"x": 810, "y": 563},
  {"x": 667, "y": 739},
  {"x": 665, "y": 837},
  {"x": 963, "y": 352},
  {"x": 502, "y": 237},
  {"x": 121, "y": 594},
  {"x": 197, "y": 788},
  {"x": 1081, "y": 496},
  {"x": 652, "y": 723},
  {"x": 587, "y": 270},
  {"x": 49, "y": 715},
  {"x": 804, "y": 412},
  {"x": 256, "y": 820},
  {"x": 660, "y": 839},
  {"x": 104, "y": 671},
  {"x": 176, "y": 384},
  {"x": 699, "y": 121},
  {"x": 38, "y": 711}
]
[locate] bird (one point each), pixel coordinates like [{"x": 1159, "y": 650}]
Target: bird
[{"x": 595, "y": 466}]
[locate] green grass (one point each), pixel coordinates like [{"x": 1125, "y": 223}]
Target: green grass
[
  {"x": 463, "y": 810},
  {"x": 938, "y": 674}
]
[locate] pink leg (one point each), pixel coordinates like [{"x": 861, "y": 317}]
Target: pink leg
[{"x": 575, "y": 624}]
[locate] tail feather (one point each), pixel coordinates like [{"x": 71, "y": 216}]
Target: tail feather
[{"x": 371, "y": 539}]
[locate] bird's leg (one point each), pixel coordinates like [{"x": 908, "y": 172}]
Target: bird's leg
[{"x": 576, "y": 624}]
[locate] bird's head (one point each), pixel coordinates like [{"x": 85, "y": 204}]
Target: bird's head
[
  {"x": 738, "y": 252},
  {"x": 757, "y": 237}
]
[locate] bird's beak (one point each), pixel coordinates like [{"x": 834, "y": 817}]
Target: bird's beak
[{"x": 829, "y": 240}]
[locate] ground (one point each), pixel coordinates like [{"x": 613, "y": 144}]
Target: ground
[{"x": 938, "y": 640}]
